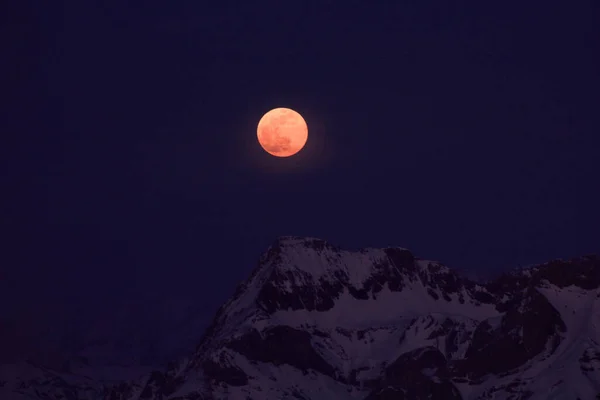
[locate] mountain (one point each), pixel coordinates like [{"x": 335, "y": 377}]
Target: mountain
[
  {"x": 62, "y": 360},
  {"x": 314, "y": 321}
]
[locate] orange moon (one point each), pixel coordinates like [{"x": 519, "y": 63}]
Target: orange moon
[{"x": 282, "y": 132}]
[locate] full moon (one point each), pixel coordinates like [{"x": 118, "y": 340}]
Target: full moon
[{"x": 282, "y": 132}]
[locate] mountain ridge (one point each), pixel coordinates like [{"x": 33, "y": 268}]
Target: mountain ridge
[{"x": 314, "y": 321}]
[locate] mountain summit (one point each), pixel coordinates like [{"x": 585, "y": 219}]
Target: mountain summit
[{"x": 314, "y": 321}]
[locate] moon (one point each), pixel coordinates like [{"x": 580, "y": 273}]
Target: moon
[{"x": 282, "y": 132}]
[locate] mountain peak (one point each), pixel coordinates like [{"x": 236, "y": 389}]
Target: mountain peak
[
  {"x": 371, "y": 323},
  {"x": 319, "y": 244},
  {"x": 290, "y": 240},
  {"x": 316, "y": 321},
  {"x": 323, "y": 260}
]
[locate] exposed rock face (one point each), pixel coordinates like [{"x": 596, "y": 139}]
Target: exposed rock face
[
  {"x": 316, "y": 322},
  {"x": 417, "y": 374},
  {"x": 282, "y": 345}
]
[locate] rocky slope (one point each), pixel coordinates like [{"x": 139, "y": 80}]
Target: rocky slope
[{"x": 317, "y": 322}]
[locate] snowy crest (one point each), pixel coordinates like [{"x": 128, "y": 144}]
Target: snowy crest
[{"x": 314, "y": 321}]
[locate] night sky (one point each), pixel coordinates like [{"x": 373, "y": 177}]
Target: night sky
[{"x": 467, "y": 133}]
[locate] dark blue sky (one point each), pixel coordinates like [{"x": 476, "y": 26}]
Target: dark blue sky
[{"x": 467, "y": 133}]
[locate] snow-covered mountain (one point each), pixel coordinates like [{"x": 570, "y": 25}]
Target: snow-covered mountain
[
  {"x": 317, "y": 322},
  {"x": 128, "y": 340}
]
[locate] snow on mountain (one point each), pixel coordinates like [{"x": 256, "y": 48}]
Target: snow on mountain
[
  {"x": 23, "y": 380},
  {"x": 317, "y": 322},
  {"x": 150, "y": 332}
]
